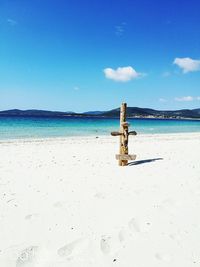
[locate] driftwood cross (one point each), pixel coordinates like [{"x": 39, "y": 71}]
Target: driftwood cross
[{"x": 123, "y": 155}]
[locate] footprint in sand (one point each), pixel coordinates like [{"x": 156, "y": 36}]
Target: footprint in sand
[
  {"x": 110, "y": 244},
  {"x": 27, "y": 257},
  {"x": 100, "y": 195},
  {"x": 31, "y": 216},
  {"x": 139, "y": 227},
  {"x": 123, "y": 235},
  {"x": 59, "y": 204},
  {"x": 134, "y": 225},
  {"x": 73, "y": 248},
  {"x": 163, "y": 257}
]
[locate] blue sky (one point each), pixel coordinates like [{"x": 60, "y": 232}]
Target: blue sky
[{"x": 92, "y": 55}]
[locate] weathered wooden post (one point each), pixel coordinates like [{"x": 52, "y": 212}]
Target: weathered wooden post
[{"x": 123, "y": 155}]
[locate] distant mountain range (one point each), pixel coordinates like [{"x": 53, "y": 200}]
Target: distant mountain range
[
  {"x": 132, "y": 112},
  {"x": 152, "y": 113},
  {"x": 33, "y": 112}
]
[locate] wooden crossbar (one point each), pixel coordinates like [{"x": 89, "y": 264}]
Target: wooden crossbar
[
  {"x": 116, "y": 133},
  {"x": 125, "y": 157}
]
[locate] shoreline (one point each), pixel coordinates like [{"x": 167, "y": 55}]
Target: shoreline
[
  {"x": 92, "y": 137},
  {"x": 100, "y": 117}
]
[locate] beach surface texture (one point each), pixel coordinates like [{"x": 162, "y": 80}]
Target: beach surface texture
[{"x": 65, "y": 202}]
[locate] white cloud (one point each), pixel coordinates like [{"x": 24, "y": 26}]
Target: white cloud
[
  {"x": 121, "y": 74},
  {"x": 184, "y": 98},
  {"x": 187, "y": 64},
  {"x": 119, "y": 29},
  {"x": 12, "y": 22},
  {"x": 187, "y": 98}
]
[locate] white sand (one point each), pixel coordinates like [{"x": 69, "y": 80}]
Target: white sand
[{"x": 65, "y": 202}]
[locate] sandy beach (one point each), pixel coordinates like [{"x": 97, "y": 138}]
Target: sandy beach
[{"x": 66, "y": 202}]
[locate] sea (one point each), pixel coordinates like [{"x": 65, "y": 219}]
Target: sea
[{"x": 49, "y": 127}]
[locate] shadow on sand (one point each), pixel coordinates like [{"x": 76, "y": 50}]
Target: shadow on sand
[{"x": 138, "y": 162}]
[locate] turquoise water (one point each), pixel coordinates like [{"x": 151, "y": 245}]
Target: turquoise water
[{"x": 21, "y": 127}]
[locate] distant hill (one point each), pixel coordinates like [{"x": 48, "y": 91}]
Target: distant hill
[
  {"x": 147, "y": 112},
  {"x": 33, "y": 112},
  {"x": 132, "y": 112}
]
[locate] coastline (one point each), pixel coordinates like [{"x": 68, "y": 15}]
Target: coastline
[
  {"x": 101, "y": 117},
  {"x": 66, "y": 202},
  {"x": 186, "y": 135}
]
